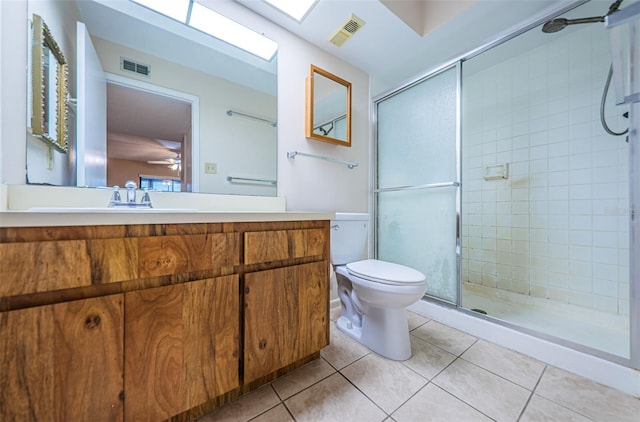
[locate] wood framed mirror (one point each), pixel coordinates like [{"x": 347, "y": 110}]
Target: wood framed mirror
[
  {"x": 49, "y": 78},
  {"x": 328, "y": 108}
]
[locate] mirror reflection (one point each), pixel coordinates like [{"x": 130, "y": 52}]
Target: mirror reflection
[
  {"x": 154, "y": 143},
  {"x": 49, "y": 87},
  {"x": 328, "y": 107},
  {"x": 153, "y": 101}
]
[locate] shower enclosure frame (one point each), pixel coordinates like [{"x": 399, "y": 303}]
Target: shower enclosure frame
[
  {"x": 455, "y": 183},
  {"x": 634, "y": 186}
]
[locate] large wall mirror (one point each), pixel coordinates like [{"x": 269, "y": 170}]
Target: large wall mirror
[
  {"x": 157, "y": 101},
  {"x": 328, "y": 107},
  {"x": 49, "y": 84}
]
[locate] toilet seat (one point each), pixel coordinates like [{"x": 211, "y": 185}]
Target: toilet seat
[{"x": 385, "y": 272}]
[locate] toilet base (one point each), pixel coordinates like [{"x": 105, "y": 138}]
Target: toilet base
[{"x": 384, "y": 331}]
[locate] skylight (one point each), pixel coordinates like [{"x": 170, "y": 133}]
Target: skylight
[
  {"x": 223, "y": 28},
  {"x": 206, "y": 20},
  {"x": 176, "y": 9},
  {"x": 297, "y": 9}
]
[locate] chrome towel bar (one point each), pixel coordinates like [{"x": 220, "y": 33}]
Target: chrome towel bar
[
  {"x": 350, "y": 164},
  {"x": 231, "y": 113},
  {"x": 233, "y": 179}
]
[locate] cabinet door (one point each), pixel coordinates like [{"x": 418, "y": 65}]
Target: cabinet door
[
  {"x": 181, "y": 346},
  {"x": 63, "y": 362},
  {"x": 286, "y": 316}
]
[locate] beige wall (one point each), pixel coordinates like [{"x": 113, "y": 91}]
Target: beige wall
[
  {"x": 119, "y": 171},
  {"x": 238, "y": 146}
]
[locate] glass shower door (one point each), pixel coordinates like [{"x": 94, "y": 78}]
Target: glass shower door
[{"x": 417, "y": 181}]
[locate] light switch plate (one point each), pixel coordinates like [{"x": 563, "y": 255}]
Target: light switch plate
[{"x": 211, "y": 168}]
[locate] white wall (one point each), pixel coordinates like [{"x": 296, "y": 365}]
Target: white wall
[
  {"x": 558, "y": 227},
  {"x": 13, "y": 39},
  {"x": 310, "y": 184},
  {"x": 2, "y": 36},
  {"x": 307, "y": 184}
]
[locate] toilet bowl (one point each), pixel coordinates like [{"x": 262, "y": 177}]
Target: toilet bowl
[{"x": 373, "y": 294}]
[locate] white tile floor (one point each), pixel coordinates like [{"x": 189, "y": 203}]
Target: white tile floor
[{"x": 451, "y": 376}]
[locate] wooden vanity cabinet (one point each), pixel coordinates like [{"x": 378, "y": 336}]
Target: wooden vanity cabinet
[
  {"x": 63, "y": 362},
  {"x": 157, "y": 321},
  {"x": 182, "y": 346}
]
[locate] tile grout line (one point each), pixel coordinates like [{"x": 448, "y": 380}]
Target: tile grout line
[
  {"x": 270, "y": 408},
  {"x": 500, "y": 376},
  {"x": 282, "y": 400},
  {"x": 363, "y": 393},
  {"x": 450, "y": 393},
  {"x": 412, "y": 396},
  {"x": 389, "y": 415},
  {"x": 439, "y": 347},
  {"x": 524, "y": 408},
  {"x": 558, "y": 403}
]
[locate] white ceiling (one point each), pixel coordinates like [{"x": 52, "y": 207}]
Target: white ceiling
[{"x": 390, "y": 50}]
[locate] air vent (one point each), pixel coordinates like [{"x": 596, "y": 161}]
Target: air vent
[
  {"x": 131, "y": 66},
  {"x": 346, "y": 30}
]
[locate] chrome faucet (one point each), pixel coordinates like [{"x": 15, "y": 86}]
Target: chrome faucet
[
  {"x": 146, "y": 199},
  {"x": 115, "y": 197},
  {"x": 131, "y": 187}
]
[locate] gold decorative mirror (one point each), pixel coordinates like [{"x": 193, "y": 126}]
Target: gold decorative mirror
[
  {"x": 328, "y": 108},
  {"x": 49, "y": 87}
]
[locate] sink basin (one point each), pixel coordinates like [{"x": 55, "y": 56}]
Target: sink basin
[{"x": 109, "y": 210}]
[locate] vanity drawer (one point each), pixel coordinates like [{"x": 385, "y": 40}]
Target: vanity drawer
[
  {"x": 165, "y": 255},
  {"x": 35, "y": 267},
  {"x": 279, "y": 245},
  {"x": 32, "y": 267}
]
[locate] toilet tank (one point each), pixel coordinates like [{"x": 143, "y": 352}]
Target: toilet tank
[{"x": 349, "y": 233}]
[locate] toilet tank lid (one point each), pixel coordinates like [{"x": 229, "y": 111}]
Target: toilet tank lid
[{"x": 382, "y": 270}]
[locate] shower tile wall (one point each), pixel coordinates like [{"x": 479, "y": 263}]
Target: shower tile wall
[{"x": 557, "y": 228}]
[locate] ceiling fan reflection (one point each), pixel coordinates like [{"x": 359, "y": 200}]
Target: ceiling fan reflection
[{"x": 174, "y": 163}]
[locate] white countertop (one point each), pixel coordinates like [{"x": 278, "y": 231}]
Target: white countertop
[{"x": 97, "y": 217}]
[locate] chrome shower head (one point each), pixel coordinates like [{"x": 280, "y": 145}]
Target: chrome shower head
[
  {"x": 561, "y": 23},
  {"x": 554, "y": 25}
]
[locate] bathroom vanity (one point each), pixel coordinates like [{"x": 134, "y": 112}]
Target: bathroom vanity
[{"x": 155, "y": 316}]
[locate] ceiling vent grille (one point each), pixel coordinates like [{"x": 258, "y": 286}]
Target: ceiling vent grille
[
  {"x": 346, "y": 30},
  {"x": 137, "y": 68}
]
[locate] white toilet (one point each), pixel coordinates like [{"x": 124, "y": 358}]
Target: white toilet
[{"x": 373, "y": 294}]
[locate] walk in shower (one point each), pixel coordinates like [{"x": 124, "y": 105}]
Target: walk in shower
[{"x": 496, "y": 178}]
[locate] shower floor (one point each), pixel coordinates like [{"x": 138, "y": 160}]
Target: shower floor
[{"x": 598, "y": 330}]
